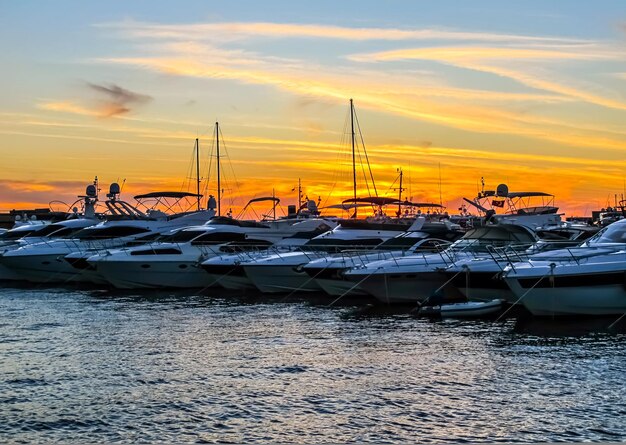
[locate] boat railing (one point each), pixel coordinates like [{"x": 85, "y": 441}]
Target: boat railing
[{"x": 447, "y": 256}]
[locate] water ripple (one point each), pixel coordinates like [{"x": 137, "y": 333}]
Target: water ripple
[{"x": 86, "y": 366}]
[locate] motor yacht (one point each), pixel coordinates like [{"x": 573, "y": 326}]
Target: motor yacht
[
  {"x": 27, "y": 232},
  {"x": 173, "y": 260},
  {"x": 584, "y": 280},
  {"x": 416, "y": 278},
  {"x": 45, "y": 262},
  {"x": 501, "y": 206},
  {"x": 480, "y": 278},
  {"x": 280, "y": 271},
  {"x": 328, "y": 271}
]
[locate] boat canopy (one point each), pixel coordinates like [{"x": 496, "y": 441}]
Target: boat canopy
[
  {"x": 420, "y": 204},
  {"x": 173, "y": 203},
  {"x": 526, "y": 194},
  {"x": 376, "y": 200},
  {"x": 264, "y": 198},
  {"x": 177, "y": 195},
  {"x": 226, "y": 221},
  {"x": 382, "y": 201},
  {"x": 346, "y": 206},
  {"x": 513, "y": 195}
]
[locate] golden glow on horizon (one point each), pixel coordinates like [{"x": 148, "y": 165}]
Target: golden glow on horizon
[{"x": 527, "y": 122}]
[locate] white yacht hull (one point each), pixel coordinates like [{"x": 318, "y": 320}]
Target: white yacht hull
[
  {"x": 79, "y": 262},
  {"x": 400, "y": 288},
  {"x": 153, "y": 274},
  {"x": 481, "y": 286},
  {"x": 45, "y": 268},
  {"x": 330, "y": 277},
  {"x": 583, "y": 299},
  {"x": 228, "y": 275},
  {"x": 338, "y": 288},
  {"x": 231, "y": 282},
  {"x": 280, "y": 278}
]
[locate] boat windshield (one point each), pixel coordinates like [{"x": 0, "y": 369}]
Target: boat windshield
[
  {"x": 47, "y": 230},
  {"x": 478, "y": 245},
  {"x": 182, "y": 236},
  {"x": 12, "y": 235},
  {"x": 615, "y": 233},
  {"x": 103, "y": 232},
  {"x": 482, "y": 239}
]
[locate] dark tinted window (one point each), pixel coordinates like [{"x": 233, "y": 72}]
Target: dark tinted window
[
  {"x": 182, "y": 236},
  {"x": 157, "y": 251},
  {"x": 65, "y": 232},
  {"x": 93, "y": 233},
  {"x": 17, "y": 234},
  {"x": 144, "y": 239},
  {"x": 219, "y": 238},
  {"x": 47, "y": 230}
]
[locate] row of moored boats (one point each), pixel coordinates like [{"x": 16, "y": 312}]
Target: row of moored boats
[{"x": 528, "y": 258}]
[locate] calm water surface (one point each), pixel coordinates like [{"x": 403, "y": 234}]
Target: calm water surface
[{"x": 89, "y": 366}]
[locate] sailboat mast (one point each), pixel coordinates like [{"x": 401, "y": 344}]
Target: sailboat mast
[
  {"x": 440, "y": 200},
  {"x": 198, "y": 172},
  {"x": 353, "y": 155},
  {"x": 400, "y": 195},
  {"x": 219, "y": 183}
]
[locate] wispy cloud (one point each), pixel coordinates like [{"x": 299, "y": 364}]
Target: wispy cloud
[
  {"x": 193, "y": 50},
  {"x": 116, "y": 100},
  {"x": 230, "y": 31},
  {"x": 505, "y": 62},
  {"x": 67, "y": 107},
  {"x": 110, "y": 101},
  {"x": 377, "y": 96}
]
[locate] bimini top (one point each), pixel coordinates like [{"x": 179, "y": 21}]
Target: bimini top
[
  {"x": 264, "y": 198},
  {"x": 226, "y": 221},
  {"x": 177, "y": 195},
  {"x": 513, "y": 195},
  {"x": 382, "y": 201},
  {"x": 420, "y": 204},
  {"x": 376, "y": 200}
]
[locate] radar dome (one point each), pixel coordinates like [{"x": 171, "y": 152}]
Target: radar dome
[
  {"x": 91, "y": 191},
  {"x": 502, "y": 190},
  {"x": 114, "y": 189}
]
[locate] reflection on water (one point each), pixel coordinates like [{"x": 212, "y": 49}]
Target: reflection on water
[
  {"x": 571, "y": 327},
  {"x": 89, "y": 366}
]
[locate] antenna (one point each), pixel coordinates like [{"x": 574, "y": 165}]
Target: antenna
[{"x": 299, "y": 193}]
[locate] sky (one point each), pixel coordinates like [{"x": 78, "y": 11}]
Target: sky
[{"x": 527, "y": 93}]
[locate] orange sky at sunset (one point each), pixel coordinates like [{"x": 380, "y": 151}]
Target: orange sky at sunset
[{"x": 524, "y": 96}]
